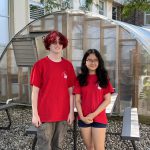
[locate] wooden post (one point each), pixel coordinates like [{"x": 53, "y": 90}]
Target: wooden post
[
  {"x": 136, "y": 73},
  {"x": 29, "y": 87},
  {"x": 69, "y": 36},
  {"x": 9, "y": 78},
  {"x": 85, "y": 34},
  {"x": 102, "y": 39},
  {"x": 117, "y": 66},
  {"x": 20, "y": 82},
  {"x": 56, "y": 22},
  {"x": 64, "y": 32},
  {"x": 42, "y": 24}
]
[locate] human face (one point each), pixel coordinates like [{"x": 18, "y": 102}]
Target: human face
[
  {"x": 92, "y": 63},
  {"x": 56, "y": 47}
]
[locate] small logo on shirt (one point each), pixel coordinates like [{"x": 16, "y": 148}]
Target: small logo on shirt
[
  {"x": 98, "y": 87},
  {"x": 65, "y": 75}
]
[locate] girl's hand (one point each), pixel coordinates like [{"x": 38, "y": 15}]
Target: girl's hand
[
  {"x": 86, "y": 120},
  {"x": 36, "y": 120},
  {"x": 91, "y": 116}
]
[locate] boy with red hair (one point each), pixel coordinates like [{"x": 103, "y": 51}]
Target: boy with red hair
[{"x": 52, "y": 79}]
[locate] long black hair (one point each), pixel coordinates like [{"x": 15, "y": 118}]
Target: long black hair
[{"x": 101, "y": 72}]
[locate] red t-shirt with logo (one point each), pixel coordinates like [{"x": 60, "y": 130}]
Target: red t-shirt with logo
[
  {"x": 92, "y": 95},
  {"x": 53, "y": 80}
]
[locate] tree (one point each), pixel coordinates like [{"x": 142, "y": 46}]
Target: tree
[
  {"x": 87, "y": 4},
  {"x": 50, "y": 5},
  {"x": 132, "y": 6}
]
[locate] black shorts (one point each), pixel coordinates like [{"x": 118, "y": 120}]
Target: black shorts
[{"x": 93, "y": 124}]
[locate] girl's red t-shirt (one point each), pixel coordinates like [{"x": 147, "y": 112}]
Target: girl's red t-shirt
[
  {"x": 92, "y": 95},
  {"x": 53, "y": 80}
]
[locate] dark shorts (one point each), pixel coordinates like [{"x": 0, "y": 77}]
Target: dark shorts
[{"x": 94, "y": 124}]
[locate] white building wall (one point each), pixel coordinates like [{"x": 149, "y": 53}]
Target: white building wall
[
  {"x": 4, "y": 28},
  {"x": 108, "y": 9},
  {"x": 21, "y": 14},
  {"x": 120, "y": 1},
  {"x": 107, "y": 6},
  {"x": 76, "y": 4}
]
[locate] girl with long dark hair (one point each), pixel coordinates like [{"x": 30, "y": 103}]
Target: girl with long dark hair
[{"x": 92, "y": 95}]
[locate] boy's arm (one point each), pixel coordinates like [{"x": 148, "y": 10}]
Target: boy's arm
[
  {"x": 35, "y": 117},
  {"x": 86, "y": 120},
  {"x": 71, "y": 113},
  {"x": 107, "y": 100}
]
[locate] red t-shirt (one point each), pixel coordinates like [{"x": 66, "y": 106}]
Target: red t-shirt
[
  {"x": 53, "y": 80},
  {"x": 92, "y": 96}
]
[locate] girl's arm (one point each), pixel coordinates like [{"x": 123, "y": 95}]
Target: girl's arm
[
  {"x": 107, "y": 99},
  {"x": 78, "y": 105},
  {"x": 35, "y": 117},
  {"x": 79, "y": 109}
]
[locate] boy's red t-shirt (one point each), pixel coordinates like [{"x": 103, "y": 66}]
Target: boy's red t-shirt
[
  {"x": 53, "y": 80},
  {"x": 92, "y": 96}
]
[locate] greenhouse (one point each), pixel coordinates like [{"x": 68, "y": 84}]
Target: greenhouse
[{"x": 124, "y": 47}]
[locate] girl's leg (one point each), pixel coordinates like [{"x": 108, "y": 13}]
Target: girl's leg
[
  {"x": 87, "y": 137},
  {"x": 98, "y": 137}
]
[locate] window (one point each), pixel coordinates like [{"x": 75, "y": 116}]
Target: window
[
  {"x": 101, "y": 7},
  {"x": 66, "y": 4},
  {"x": 4, "y": 20},
  {"x": 36, "y": 10},
  {"x": 82, "y": 3},
  {"x": 114, "y": 13},
  {"x": 147, "y": 18}
]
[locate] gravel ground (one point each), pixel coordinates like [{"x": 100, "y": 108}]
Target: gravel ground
[{"x": 15, "y": 139}]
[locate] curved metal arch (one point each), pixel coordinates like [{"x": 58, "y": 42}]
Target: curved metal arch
[{"x": 140, "y": 34}]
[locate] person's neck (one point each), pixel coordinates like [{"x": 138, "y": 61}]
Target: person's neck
[
  {"x": 55, "y": 57},
  {"x": 92, "y": 72}
]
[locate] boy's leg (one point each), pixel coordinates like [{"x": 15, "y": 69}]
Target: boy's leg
[
  {"x": 59, "y": 134},
  {"x": 44, "y": 136}
]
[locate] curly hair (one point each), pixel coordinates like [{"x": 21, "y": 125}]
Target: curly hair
[
  {"x": 101, "y": 72},
  {"x": 51, "y": 38}
]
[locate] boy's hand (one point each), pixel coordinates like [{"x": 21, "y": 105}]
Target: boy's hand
[
  {"x": 36, "y": 121},
  {"x": 70, "y": 118}
]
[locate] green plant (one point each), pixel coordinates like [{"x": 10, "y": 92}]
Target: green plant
[
  {"x": 52, "y": 4},
  {"x": 131, "y": 6},
  {"x": 146, "y": 90},
  {"x": 33, "y": 7},
  {"x": 88, "y": 4}
]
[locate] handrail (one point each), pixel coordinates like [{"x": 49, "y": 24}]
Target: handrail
[{"x": 11, "y": 99}]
